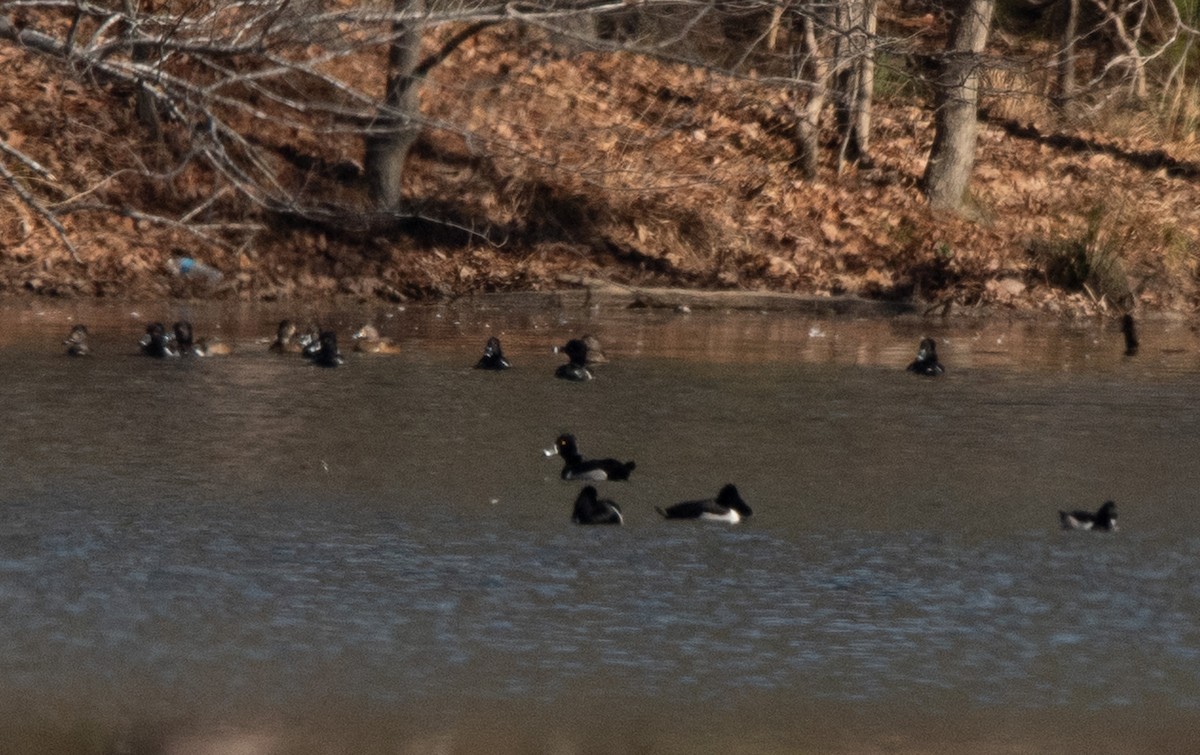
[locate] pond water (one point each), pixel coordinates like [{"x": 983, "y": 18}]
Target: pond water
[{"x": 250, "y": 552}]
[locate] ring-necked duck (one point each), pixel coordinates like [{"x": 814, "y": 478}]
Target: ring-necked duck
[
  {"x": 184, "y": 338},
  {"x": 590, "y": 510},
  {"x": 926, "y": 362},
  {"x": 77, "y": 341},
  {"x": 493, "y": 356},
  {"x": 368, "y": 341},
  {"x": 1130, "y": 333},
  {"x": 327, "y": 354},
  {"x": 285, "y": 339},
  {"x": 728, "y": 506},
  {"x": 1104, "y": 519},
  {"x": 310, "y": 344},
  {"x": 576, "y": 468},
  {"x": 211, "y": 347},
  {"x": 156, "y": 343},
  {"x": 575, "y": 369},
  {"x": 189, "y": 345}
]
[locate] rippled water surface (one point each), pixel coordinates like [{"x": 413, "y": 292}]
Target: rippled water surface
[{"x": 381, "y": 554}]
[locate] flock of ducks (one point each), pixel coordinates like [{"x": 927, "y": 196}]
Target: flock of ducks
[
  {"x": 321, "y": 348},
  {"x": 727, "y": 506}
]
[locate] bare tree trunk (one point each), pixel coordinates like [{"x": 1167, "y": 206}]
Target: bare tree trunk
[
  {"x": 147, "y": 113},
  {"x": 955, "y": 126},
  {"x": 808, "y": 61},
  {"x": 866, "y": 77},
  {"x": 847, "y": 78},
  {"x": 398, "y": 125},
  {"x": 1065, "y": 64}
]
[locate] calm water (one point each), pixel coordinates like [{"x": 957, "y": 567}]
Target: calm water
[{"x": 231, "y": 551}]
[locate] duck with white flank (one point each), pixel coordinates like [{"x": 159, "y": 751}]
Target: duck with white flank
[
  {"x": 927, "y": 362},
  {"x": 1104, "y": 519},
  {"x": 156, "y": 343},
  {"x": 327, "y": 354},
  {"x": 592, "y": 510},
  {"x": 493, "y": 356},
  {"x": 576, "y": 367},
  {"x": 728, "y": 506},
  {"x": 575, "y": 467}
]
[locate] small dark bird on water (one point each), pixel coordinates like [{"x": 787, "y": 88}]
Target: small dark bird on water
[
  {"x": 576, "y": 369},
  {"x": 493, "y": 356},
  {"x": 1130, "y": 332},
  {"x": 77, "y": 342},
  {"x": 156, "y": 343},
  {"x": 327, "y": 354},
  {"x": 927, "y": 362},
  {"x": 728, "y": 506},
  {"x": 575, "y": 467},
  {"x": 592, "y": 510},
  {"x": 1104, "y": 519}
]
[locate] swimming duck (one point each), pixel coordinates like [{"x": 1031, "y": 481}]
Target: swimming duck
[
  {"x": 156, "y": 343},
  {"x": 77, "y": 341},
  {"x": 728, "y": 506},
  {"x": 310, "y": 342},
  {"x": 285, "y": 339},
  {"x": 926, "y": 362},
  {"x": 1104, "y": 519},
  {"x": 327, "y": 354},
  {"x": 368, "y": 341},
  {"x": 575, "y": 468},
  {"x": 190, "y": 346},
  {"x": 590, "y": 510},
  {"x": 1130, "y": 333},
  {"x": 493, "y": 356},
  {"x": 575, "y": 369},
  {"x": 211, "y": 347}
]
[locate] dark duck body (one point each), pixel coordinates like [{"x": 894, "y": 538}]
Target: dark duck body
[
  {"x": 1103, "y": 519},
  {"x": 927, "y": 362},
  {"x": 592, "y": 510},
  {"x": 327, "y": 354},
  {"x": 575, "y": 467},
  {"x": 576, "y": 367},
  {"x": 77, "y": 342},
  {"x": 156, "y": 343},
  {"x": 493, "y": 356},
  {"x": 728, "y": 506}
]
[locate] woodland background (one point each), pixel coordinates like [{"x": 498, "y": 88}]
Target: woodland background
[{"x": 1026, "y": 154}]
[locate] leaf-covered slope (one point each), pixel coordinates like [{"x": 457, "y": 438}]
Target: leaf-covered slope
[{"x": 539, "y": 162}]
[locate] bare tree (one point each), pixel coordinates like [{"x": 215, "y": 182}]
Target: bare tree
[
  {"x": 399, "y": 123},
  {"x": 952, "y": 156},
  {"x": 811, "y": 71}
]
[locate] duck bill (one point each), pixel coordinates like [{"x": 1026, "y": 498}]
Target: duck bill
[{"x": 550, "y": 451}]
